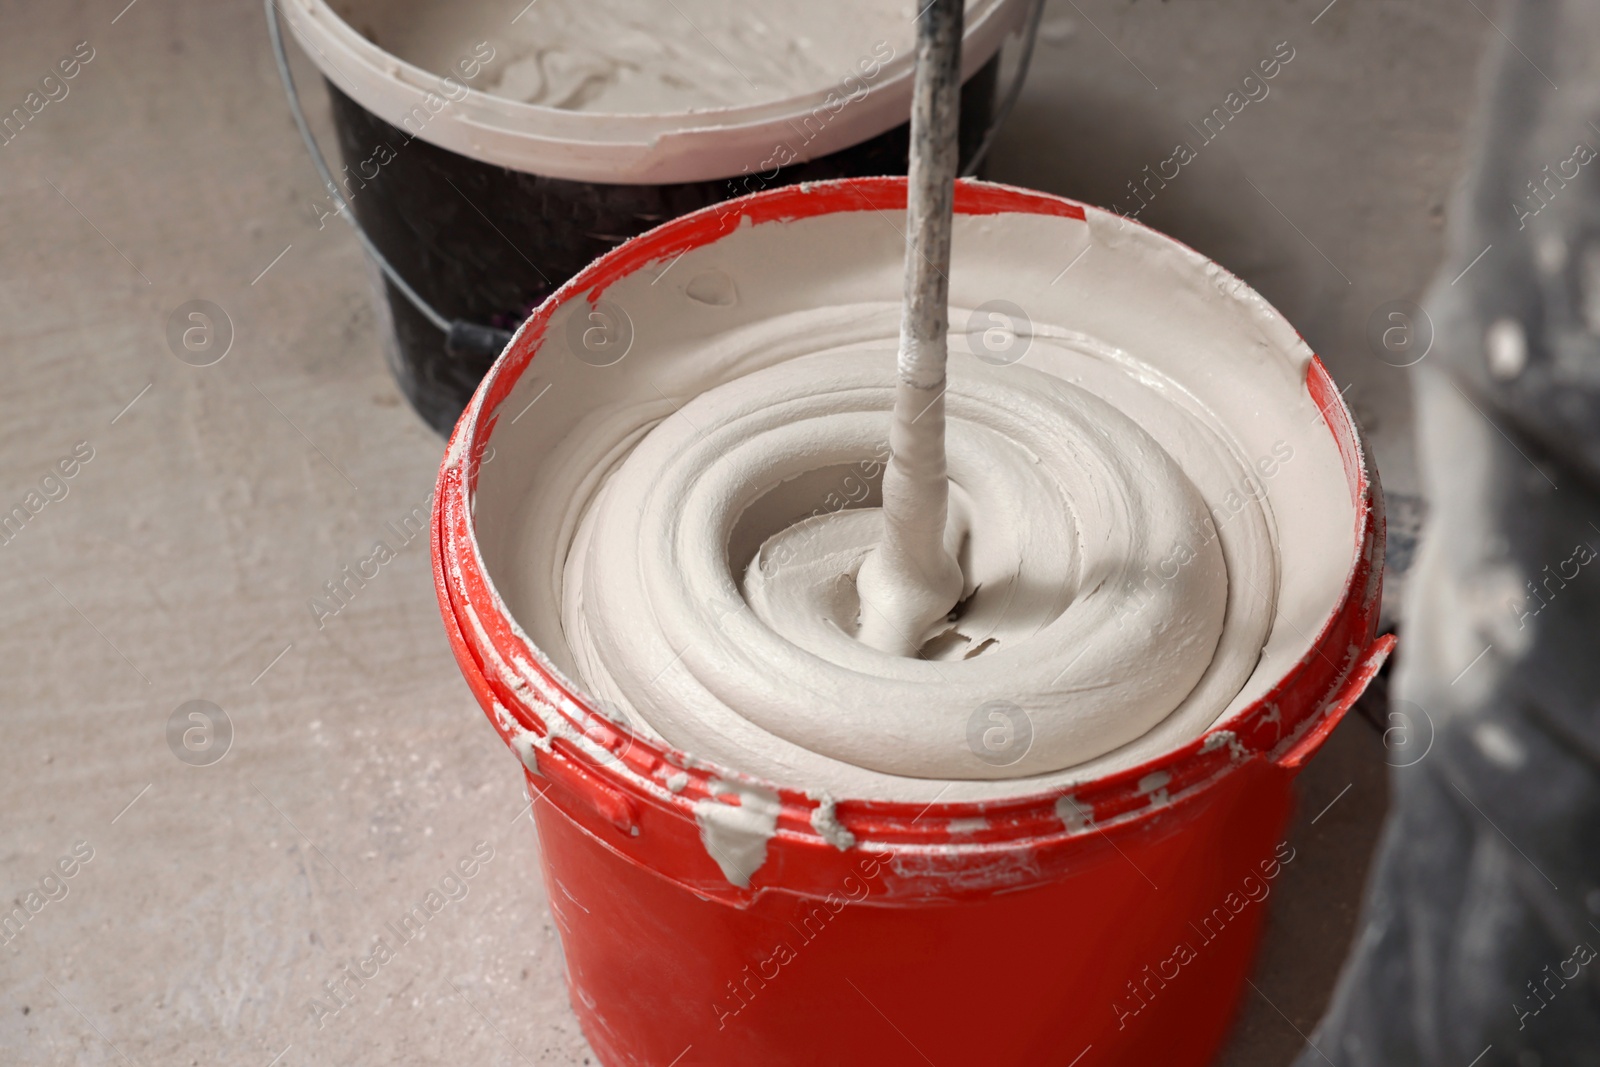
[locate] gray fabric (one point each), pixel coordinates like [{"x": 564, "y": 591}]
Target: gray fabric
[{"x": 1482, "y": 924}]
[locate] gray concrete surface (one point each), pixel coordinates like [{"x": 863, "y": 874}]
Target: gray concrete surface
[{"x": 180, "y": 562}]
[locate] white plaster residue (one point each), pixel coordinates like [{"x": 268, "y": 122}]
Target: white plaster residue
[
  {"x": 1274, "y": 715},
  {"x": 1220, "y": 738},
  {"x": 677, "y": 781},
  {"x": 524, "y": 743},
  {"x": 1073, "y": 816},
  {"x": 1155, "y": 784},
  {"x": 995, "y": 872},
  {"x": 554, "y": 726},
  {"x": 825, "y": 821},
  {"x": 626, "y": 57},
  {"x": 967, "y": 827},
  {"x": 503, "y": 716},
  {"x": 517, "y": 682},
  {"x": 736, "y": 834}
]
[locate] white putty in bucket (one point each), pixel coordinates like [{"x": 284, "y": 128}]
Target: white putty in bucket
[
  {"x": 1098, "y": 600},
  {"x": 633, "y": 57},
  {"x": 1153, "y": 519}
]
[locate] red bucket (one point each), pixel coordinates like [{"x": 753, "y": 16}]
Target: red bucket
[{"x": 1112, "y": 922}]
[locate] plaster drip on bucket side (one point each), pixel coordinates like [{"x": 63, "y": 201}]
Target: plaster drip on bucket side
[
  {"x": 736, "y": 833},
  {"x": 825, "y": 821}
]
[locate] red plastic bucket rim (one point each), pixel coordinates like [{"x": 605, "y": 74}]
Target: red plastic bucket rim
[{"x": 549, "y": 718}]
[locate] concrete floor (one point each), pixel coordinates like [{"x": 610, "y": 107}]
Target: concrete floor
[{"x": 179, "y": 564}]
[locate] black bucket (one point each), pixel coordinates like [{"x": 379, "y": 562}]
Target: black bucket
[{"x": 479, "y": 244}]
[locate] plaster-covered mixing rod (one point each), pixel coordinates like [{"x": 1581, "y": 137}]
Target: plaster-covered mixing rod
[{"x": 912, "y": 580}]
